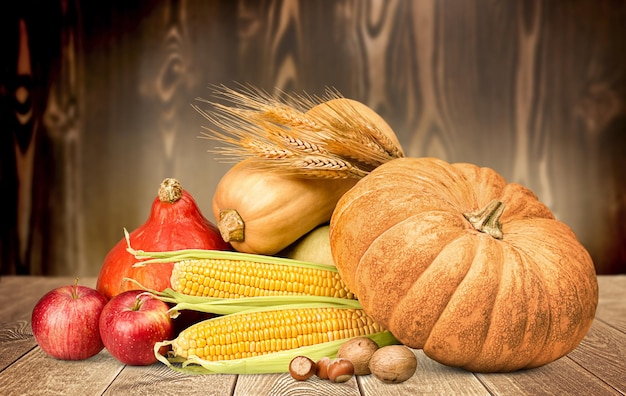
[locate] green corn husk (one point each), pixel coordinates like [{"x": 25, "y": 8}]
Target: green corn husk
[
  {"x": 228, "y": 306},
  {"x": 276, "y": 362},
  {"x": 248, "y": 304},
  {"x": 225, "y": 306},
  {"x": 198, "y": 254}
]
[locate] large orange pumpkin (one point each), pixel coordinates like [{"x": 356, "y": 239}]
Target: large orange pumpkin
[{"x": 454, "y": 260}]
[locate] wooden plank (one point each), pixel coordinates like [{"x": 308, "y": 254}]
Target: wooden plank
[
  {"x": 38, "y": 374},
  {"x": 284, "y": 385},
  {"x": 159, "y": 379},
  {"x": 16, "y": 339},
  {"x": 561, "y": 377},
  {"x": 603, "y": 353},
  {"x": 612, "y": 303},
  {"x": 429, "y": 378}
]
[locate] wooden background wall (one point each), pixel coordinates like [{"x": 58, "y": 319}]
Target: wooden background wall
[{"x": 95, "y": 103}]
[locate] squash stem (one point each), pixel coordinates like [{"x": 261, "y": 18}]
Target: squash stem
[
  {"x": 231, "y": 226},
  {"x": 170, "y": 190},
  {"x": 487, "y": 220}
]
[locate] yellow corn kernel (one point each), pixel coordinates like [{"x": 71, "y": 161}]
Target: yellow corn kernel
[
  {"x": 251, "y": 334},
  {"x": 227, "y": 278}
]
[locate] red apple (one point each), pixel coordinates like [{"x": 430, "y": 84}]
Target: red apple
[
  {"x": 131, "y": 323},
  {"x": 65, "y": 322}
]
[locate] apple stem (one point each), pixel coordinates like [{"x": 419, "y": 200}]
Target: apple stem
[
  {"x": 74, "y": 287},
  {"x": 138, "y": 303}
]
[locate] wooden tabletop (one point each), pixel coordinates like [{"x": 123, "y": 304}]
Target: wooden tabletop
[{"x": 596, "y": 367}]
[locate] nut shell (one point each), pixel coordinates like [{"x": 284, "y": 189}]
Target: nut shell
[
  {"x": 393, "y": 364},
  {"x": 340, "y": 370},
  {"x": 359, "y": 351},
  {"x": 302, "y": 368},
  {"x": 322, "y": 368}
]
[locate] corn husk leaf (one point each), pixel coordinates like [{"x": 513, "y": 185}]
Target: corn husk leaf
[
  {"x": 147, "y": 258},
  {"x": 228, "y": 306},
  {"x": 276, "y": 362}
]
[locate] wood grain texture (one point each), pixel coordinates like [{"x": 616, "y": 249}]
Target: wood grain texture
[
  {"x": 48, "y": 376},
  {"x": 430, "y": 378},
  {"x": 561, "y": 377},
  {"x": 158, "y": 379},
  {"x": 18, "y": 338},
  {"x": 611, "y": 307},
  {"x": 95, "y": 103},
  {"x": 602, "y": 345},
  {"x": 283, "y": 384}
]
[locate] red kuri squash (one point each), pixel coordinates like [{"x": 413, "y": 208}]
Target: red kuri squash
[{"x": 175, "y": 222}]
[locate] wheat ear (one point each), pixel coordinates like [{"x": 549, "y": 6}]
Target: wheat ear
[{"x": 335, "y": 141}]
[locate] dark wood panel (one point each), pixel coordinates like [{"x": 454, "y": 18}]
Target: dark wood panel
[{"x": 95, "y": 103}]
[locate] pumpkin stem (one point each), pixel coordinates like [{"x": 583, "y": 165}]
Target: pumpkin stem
[
  {"x": 487, "y": 220},
  {"x": 231, "y": 226},
  {"x": 170, "y": 190}
]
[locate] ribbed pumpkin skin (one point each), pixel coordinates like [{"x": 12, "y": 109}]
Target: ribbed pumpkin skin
[{"x": 419, "y": 268}]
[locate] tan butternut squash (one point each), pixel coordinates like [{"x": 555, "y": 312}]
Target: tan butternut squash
[
  {"x": 264, "y": 212},
  {"x": 269, "y": 200}
]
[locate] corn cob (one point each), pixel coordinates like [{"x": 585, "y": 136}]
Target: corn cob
[
  {"x": 252, "y": 334},
  {"x": 234, "y": 277},
  {"x": 224, "y": 274},
  {"x": 260, "y": 333}
]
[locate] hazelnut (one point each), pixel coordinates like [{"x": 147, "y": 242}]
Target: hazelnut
[
  {"x": 322, "y": 368},
  {"x": 359, "y": 351},
  {"x": 301, "y": 368},
  {"x": 340, "y": 370},
  {"x": 393, "y": 363}
]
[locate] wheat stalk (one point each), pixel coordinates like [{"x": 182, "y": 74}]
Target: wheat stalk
[
  {"x": 334, "y": 141},
  {"x": 329, "y": 167},
  {"x": 372, "y": 142},
  {"x": 319, "y": 167}
]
